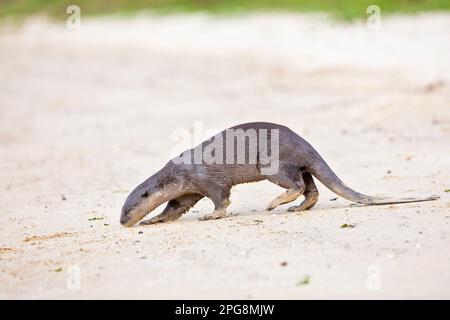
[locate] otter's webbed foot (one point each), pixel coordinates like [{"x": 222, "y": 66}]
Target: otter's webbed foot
[
  {"x": 311, "y": 195},
  {"x": 175, "y": 208},
  {"x": 288, "y": 196},
  {"x": 153, "y": 220},
  {"x": 218, "y": 213}
]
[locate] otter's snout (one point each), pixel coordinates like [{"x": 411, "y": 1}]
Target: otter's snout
[
  {"x": 124, "y": 218},
  {"x": 145, "y": 198},
  {"x": 131, "y": 210},
  {"x": 139, "y": 203}
]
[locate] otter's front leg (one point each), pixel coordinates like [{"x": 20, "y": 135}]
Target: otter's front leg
[
  {"x": 174, "y": 209},
  {"x": 221, "y": 199}
]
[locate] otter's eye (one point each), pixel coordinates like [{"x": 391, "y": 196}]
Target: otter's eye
[{"x": 145, "y": 194}]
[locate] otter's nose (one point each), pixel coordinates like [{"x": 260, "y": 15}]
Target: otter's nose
[{"x": 124, "y": 219}]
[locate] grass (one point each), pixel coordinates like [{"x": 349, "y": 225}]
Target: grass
[{"x": 347, "y": 10}]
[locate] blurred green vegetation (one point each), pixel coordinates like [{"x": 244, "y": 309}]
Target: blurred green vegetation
[{"x": 343, "y": 9}]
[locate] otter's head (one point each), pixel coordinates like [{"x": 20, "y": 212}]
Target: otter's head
[{"x": 147, "y": 197}]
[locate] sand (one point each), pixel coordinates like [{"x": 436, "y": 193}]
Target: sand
[{"x": 87, "y": 115}]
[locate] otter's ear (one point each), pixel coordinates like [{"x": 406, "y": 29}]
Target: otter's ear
[{"x": 145, "y": 194}]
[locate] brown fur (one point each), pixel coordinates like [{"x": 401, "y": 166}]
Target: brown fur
[{"x": 183, "y": 185}]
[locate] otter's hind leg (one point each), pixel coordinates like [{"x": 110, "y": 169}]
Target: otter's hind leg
[
  {"x": 311, "y": 194},
  {"x": 290, "y": 180},
  {"x": 174, "y": 209}
]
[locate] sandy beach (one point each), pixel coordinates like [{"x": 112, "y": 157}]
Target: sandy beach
[{"x": 87, "y": 115}]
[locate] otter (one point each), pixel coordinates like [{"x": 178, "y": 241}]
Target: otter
[{"x": 238, "y": 155}]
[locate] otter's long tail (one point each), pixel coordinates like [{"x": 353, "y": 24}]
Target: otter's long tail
[{"x": 323, "y": 172}]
